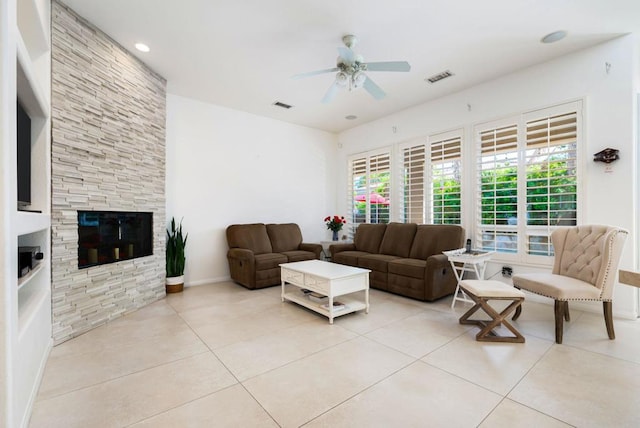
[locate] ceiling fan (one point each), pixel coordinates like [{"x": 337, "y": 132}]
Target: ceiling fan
[{"x": 351, "y": 69}]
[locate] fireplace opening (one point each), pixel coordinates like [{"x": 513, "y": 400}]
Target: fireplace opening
[{"x": 111, "y": 236}]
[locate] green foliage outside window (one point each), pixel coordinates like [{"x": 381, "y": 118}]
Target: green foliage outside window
[
  {"x": 551, "y": 194},
  {"x": 446, "y": 201}
]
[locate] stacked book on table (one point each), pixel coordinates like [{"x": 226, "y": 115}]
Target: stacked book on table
[
  {"x": 321, "y": 298},
  {"x": 337, "y": 306}
]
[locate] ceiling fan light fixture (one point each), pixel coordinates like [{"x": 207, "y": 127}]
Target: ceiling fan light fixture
[
  {"x": 358, "y": 79},
  {"x": 351, "y": 68},
  {"x": 342, "y": 79}
]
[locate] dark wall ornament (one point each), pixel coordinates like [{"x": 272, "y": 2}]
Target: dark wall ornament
[{"x": 607, "y": 155}]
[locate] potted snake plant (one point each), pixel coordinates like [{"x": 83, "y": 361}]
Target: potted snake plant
[{"x": 175, "y": 258}]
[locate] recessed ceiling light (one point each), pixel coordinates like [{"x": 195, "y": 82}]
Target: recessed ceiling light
[
  {"x": 351, "y": 117},
  {"x": 554, "y": 37},
  {"x": 142, "y": 47}
]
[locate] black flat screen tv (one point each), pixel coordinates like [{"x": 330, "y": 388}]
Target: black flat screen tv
[{"x": 24, "y": 157}]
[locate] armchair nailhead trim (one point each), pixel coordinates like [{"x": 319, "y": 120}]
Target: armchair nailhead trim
[{"x": 608, "y": 268}]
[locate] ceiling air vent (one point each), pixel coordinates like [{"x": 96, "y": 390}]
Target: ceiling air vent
[
  {"x": 282, "y": 105},
  {"x": 439, "y": 76}
]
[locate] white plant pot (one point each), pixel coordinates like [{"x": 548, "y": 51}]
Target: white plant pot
[
  {"x": 173, "y": 280},
  {"x": 174, "y": 284}
]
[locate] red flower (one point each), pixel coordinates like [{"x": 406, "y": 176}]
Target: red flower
[{"x": 335, "y": 223}]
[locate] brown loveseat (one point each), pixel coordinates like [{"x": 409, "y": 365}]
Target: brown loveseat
[
  {"x": 404, "y": 258},
  {"x": 256, "y": 251}
]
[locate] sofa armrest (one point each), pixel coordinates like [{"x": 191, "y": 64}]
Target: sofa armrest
[
  {"x": 242, "y": 266},
  {"x": 241, "y": 255},
  {"x": 437, "y": 265},
  {"x": 314, "y": 248},
  {"x": 438, "y": 260},
  {"x": 439, "y": 278},
  {"x": 336, "y": 248}
]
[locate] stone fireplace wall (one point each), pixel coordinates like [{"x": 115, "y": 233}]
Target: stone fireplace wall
[{"x": 108, "y": 153}]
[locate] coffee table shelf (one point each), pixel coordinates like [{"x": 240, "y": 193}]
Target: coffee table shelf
[
  {"x": 352, "y": 304},
  {"x": 329, "y": 279}
]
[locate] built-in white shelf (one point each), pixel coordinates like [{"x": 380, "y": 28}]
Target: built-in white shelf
[
  {"x": 29, "y": 222},
  {"x": 32, "y": 96},
  {"x": 33, "y": 25},
  {"x": 29, "y": 300},
  {"x": 24, "y": 281}
]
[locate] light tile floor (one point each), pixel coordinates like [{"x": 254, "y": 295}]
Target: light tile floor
[{"x": 220, "y": 355}]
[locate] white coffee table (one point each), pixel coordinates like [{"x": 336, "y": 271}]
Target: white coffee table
[{"x": 329, "y": 279}]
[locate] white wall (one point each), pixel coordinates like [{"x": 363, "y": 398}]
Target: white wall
[
  {"x": 225, "y": 166},
  {"x": 610, "y": 114}
]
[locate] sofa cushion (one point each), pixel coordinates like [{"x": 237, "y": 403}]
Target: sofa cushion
[
  {"x": 413, "y": 268},
  {"x": 369, "y": 236},
  {"x": 253, "y": 237},
  {"x": 269, "y": 261},
  {"x": 377, "y": 262},
  {"x": 284, "y": 237},
  {"x": 433, "y": 239},
  {"x": 397, "y": 239},
  {"x": 299, "y": 255},
  {"x": 349, "y": 258}
]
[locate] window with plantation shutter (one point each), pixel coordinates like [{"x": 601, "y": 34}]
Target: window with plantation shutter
[
  {"x": 551, "y": 169},
  {"x": 498, "y": 188},
  {"x": 431, "y": 180},
  {"x": 413, "y": 184},
  {"x": 446, "y": 179},
  {"x": 527, "y": 180},
  {"x": 369, "y": 191},
  {"x": 358, "y": 172}
]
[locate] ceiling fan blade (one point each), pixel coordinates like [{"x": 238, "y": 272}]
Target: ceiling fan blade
[
  {"x": 373, "y": 89},
  {"x": 388, "y": 66},
  {"x": 346, "y": 54},
  {"x": 331, "y": 93},
  {"x": 313, "y": 73}
]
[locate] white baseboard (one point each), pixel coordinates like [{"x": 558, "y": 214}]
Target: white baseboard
[{"x": 207, "y": 281}]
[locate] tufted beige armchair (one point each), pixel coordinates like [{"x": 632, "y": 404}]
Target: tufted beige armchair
[{"x": 584, "y": 268}]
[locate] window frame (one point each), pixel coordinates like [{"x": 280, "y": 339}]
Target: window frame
[
  {"x": 412, "y": 145},
  {"x": 426, "y": 143},
  {"x": 522, "y": 229},
  {"x": 367, "y": 157},
  {"x": 441, "y": 138}
]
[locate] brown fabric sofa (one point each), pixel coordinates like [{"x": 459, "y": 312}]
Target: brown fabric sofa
[
  {"x": 404, "y": 258},
  {"x": 256, "y": 251}
]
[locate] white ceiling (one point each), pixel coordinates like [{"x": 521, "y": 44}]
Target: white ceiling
[{"x": 242, "y": 53}]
